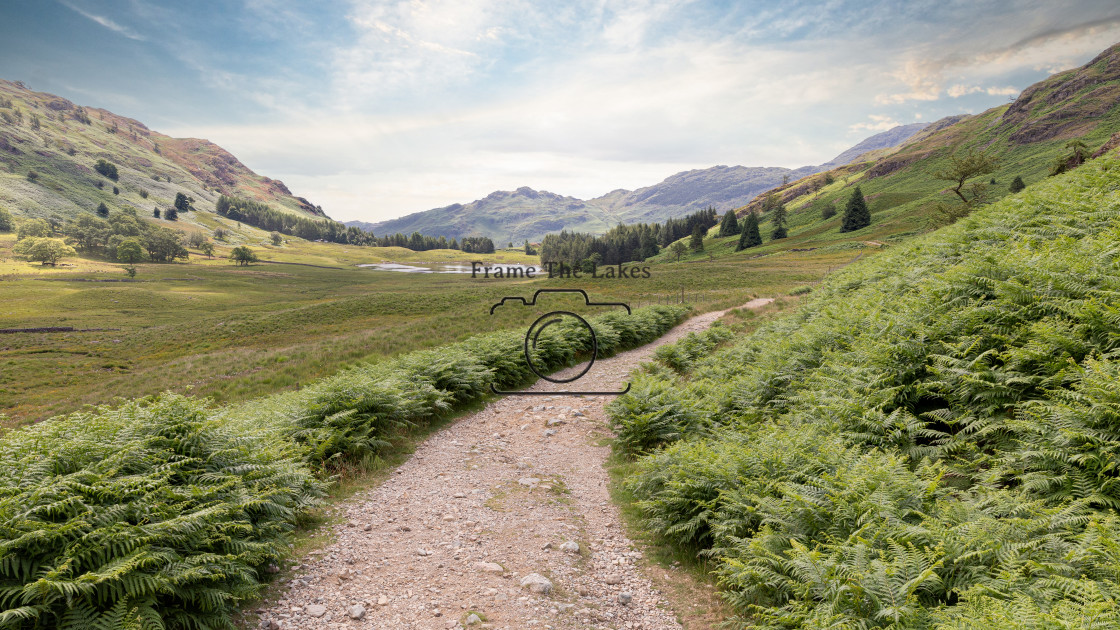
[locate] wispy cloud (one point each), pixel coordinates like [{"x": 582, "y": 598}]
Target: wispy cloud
[
  {"x": 104, "y": 21},
  {"x": 877, "y": 122},
  {"x": 926, "y": 68},
  {"x": 959, "y": 90}
]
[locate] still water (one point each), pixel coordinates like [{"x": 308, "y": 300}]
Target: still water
[{"x": 442, "y": 267}]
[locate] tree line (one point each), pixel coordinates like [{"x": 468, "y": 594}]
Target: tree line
[
  {"x": 263, "y": 216},
  {"x": 622, "y": 243}
]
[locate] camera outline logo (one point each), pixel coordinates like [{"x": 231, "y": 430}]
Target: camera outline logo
[{"x": 543, "y": 322}]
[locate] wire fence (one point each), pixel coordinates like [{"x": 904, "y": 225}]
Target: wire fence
[{"x": 679, "y": 297}]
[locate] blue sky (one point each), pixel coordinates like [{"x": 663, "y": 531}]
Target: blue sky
[{"x": 375, "y": 109}]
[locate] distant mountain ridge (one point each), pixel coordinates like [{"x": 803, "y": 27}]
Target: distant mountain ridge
[{"x": 527, "y": 214}]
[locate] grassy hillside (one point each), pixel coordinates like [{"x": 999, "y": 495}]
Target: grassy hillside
[
  {"x": 61, "y": 142},
  {"x": 900, "y": 186},
  {"x": 930, "y": 442}
]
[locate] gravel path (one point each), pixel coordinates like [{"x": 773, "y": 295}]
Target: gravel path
[{"x": 502, "y": 520}]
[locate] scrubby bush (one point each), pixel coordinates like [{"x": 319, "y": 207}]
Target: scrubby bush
[
  {"x": 681, "y": 355},
  {"x": 107, "y": 169}
]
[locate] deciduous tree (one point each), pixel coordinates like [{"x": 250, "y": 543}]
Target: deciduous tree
[
  {"x": 678, "y": 249},
  {"x": 34, "y": 228},
  {"x": 47, "y": 250},
  {"x": 130, "y": 251},
  {"x": 962, "y": 168},
  {"x": 242, "y": 255}
]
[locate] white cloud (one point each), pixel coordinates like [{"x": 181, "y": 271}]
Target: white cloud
[
  {"x": 1001, "y": 91},
  {"x": 960, "y": 90},
  {"x": 877, "y": 123},
  {"x": 104, "y": 21}
]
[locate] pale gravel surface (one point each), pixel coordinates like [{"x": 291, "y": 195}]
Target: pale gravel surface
[{"x": 411, "y": 551}]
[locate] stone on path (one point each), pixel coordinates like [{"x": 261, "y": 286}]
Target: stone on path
[{"x": 537, "y": 583}]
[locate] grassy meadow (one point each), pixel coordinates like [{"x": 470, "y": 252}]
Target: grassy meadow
[{"x": 211, "y": 328}]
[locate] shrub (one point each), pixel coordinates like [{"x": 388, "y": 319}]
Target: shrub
[
  {"x": 106, "y": 169},
  {"x": 655, "y": 414}
]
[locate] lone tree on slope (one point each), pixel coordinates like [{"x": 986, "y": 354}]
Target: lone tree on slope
[
  {"x": 778, "y": 219},
  {"x": 243, "y": 255},
  {"x": 963, "y": 168},
  {"x": 679, "y": 249},
  {"x": 856, "y": 214}
]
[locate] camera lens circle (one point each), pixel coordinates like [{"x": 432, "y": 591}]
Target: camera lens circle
[{"x": 543, "y": 322}]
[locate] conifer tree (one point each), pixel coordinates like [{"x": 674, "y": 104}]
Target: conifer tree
[
  {"x": 750, "y": 236},
  {"x": 696, "y": 244},
  {"x": 102, "y": 209},
  {"x": 1017, "y": 184},
  {"x": 730, "y": 224},
  {"x": 778, "y": 220},
  {"x": 856, "y": 215}
]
